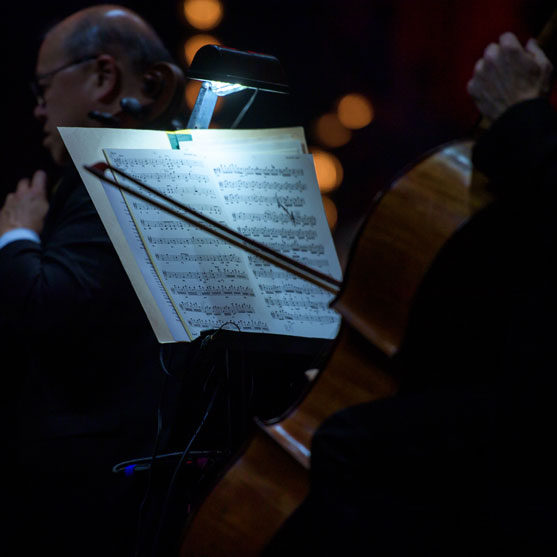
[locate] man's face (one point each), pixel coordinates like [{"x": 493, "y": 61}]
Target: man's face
[{"x": 65, "y": 101}]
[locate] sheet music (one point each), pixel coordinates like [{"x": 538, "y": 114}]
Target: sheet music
[
  {"x": 86, "y": 145},
  {"x": 271, "y": 198}
]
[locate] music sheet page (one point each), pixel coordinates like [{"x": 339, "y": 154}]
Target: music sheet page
[
  {"x": 271, "y": 198},
  {"x": 86, "y": 147}
]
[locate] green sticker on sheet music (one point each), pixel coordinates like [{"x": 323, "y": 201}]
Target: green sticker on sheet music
[{"x": 176, "y": 138}]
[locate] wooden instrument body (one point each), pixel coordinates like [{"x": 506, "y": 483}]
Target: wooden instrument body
[
  {"x": 405, "y": 230},
  {"x": 397, "y": 243},
  {"x": 406, "y": 227}
]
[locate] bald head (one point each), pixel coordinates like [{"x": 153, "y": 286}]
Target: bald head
[
  {"x": 113, "y": 30},
  {"x": 89, "y": 62}
]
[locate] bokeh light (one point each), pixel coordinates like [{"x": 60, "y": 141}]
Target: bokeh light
[
  {"x": 355, "y": 111},
  {"x": 330, "y": 211},
  {"x": 194, "y": 43},
  {"x": 328, "y": 170},
  {"x": 328, "y": 131},
  {"x": 203, "y": 14}
]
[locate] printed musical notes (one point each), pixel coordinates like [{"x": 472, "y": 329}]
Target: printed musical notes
[{"x": 273, "y": 199}]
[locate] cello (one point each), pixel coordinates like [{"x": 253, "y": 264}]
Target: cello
[{"x": 406, "y": 227}]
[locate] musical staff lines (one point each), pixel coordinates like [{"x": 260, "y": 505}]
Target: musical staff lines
[
  {"x": 273, "y": 233},
  {"x": 248, "y": 325},
  {"x": 179, "y": 241},
  {"x": 308, "y": 318},
  {"x": 209, "y": 290},
  {"x": 226, "y": 310},
  {"x": 264, "y": 200},
  {"x": 151, "y": 224},
  {"x": 252, "y": 186},
  {"x": 263, "y": 171},
  {"x": 232, "y": 274},
  {"x": 222, "y": 259},
  {"x": 301, "y": 289},
  {"x": 274, "y": 217},
  {"x": 210, "y": 282}
]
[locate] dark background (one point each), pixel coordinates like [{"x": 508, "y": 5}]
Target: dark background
[{"x": 411, "y": 58}]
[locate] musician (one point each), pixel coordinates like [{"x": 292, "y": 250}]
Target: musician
[
  {"x": 461, "y": 460},
  {"x": 85, "y": 364}
]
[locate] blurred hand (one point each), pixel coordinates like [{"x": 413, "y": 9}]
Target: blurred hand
[
  {"x": 509, "y": 73},
  {"x": 27, "y": 206}
]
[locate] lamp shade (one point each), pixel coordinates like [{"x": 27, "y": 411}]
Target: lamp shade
[{"x": 250, "y": 69}]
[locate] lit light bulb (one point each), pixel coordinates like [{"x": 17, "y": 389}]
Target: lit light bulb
[
  {"x": 355, "y": 111},
  {"x": 328, "y": 170},
  {"x": 203, "y": 14},
  {"x": 329, "y": 131}
]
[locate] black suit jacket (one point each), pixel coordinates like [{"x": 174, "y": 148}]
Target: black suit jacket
[{"x": 88, "y": 378}]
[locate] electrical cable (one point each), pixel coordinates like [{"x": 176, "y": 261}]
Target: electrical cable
[
  {"x": 163, "y": 365},
  {"x": 244, "y": 110},
  {"x": 151, "y": 468},
  {"x": 178, "y": 467},
  {"x": 148, "y": 463}
]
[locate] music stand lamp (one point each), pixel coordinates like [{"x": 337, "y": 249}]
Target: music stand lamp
[{"x": 224, "y": 71}]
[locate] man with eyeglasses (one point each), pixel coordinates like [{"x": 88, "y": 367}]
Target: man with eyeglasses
[
  {"x": 42, "y": 83},
  {"x": 86, "y": 358}
]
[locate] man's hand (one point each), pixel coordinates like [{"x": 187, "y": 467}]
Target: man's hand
[
  {"x": 507, "y": 74},
  {"x": 27, "y": 206}
]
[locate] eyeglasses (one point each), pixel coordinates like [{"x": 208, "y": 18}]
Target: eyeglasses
[{"x": 39, "y": 88}]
